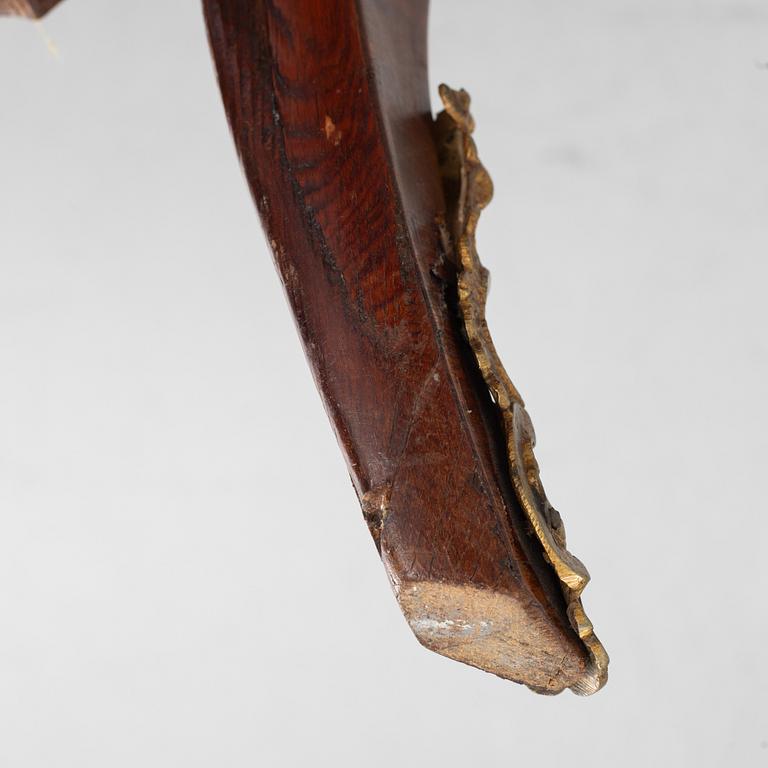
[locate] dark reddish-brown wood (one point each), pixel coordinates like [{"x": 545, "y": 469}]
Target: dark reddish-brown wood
[{"x": 329, "y": 106}]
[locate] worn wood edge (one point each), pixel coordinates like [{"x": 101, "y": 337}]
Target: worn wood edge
[{"x": 492, "y": 631}]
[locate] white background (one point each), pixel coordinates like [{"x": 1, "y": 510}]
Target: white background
[{"x": 185, "y": 576}]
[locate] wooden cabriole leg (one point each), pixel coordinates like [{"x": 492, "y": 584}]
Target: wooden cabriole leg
[
  {"x": 370, "y": 207},
  {"x": 370, "y": 215}
]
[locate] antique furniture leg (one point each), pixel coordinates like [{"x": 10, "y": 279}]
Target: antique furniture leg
[{"x": 370, "y": 207}]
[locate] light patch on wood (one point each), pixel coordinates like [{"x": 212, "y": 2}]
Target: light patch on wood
[
  {"x": 493, "y": 631},
  {"x": 332, "y": 133},
  {"x": 375, "y": 506}
]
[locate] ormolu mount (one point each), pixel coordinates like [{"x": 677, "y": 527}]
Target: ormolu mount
[{"x": 468, "y": 190}]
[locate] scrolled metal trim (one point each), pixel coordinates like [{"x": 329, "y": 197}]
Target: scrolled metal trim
[{"x": 468, "y": 190}]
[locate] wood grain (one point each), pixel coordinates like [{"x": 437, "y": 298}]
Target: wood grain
[{"x": 329, "y": 107}]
